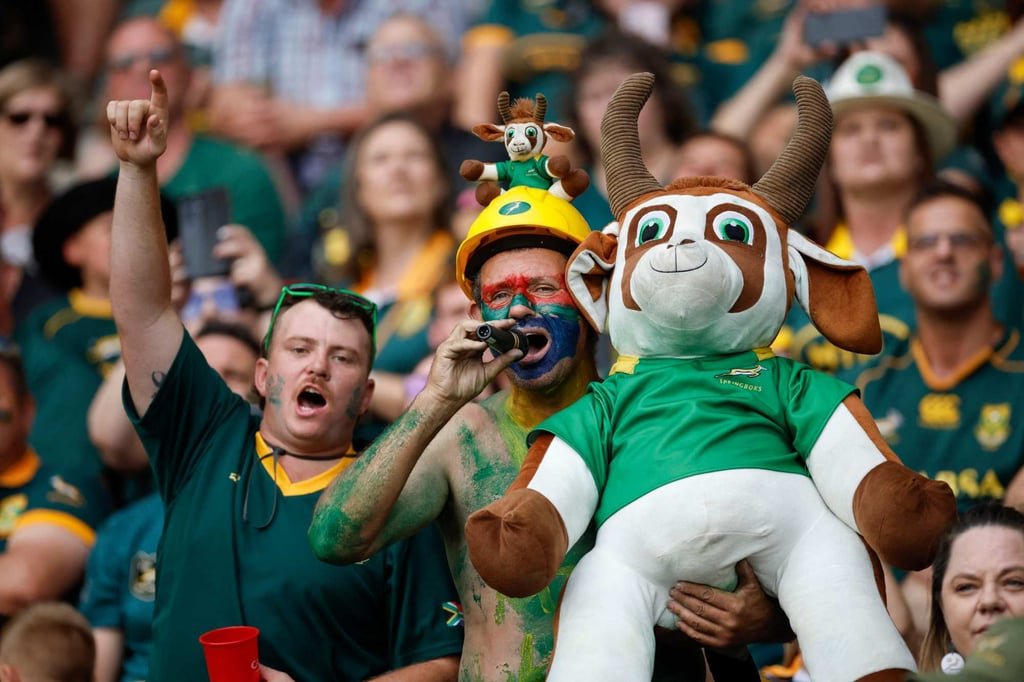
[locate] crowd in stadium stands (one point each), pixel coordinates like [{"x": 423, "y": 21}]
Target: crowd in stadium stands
[{"x": 271, "y": 190}]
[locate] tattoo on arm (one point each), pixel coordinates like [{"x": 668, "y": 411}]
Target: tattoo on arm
[{"x": 158, "y": 379}]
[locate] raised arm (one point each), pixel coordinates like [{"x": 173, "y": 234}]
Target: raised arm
[
  {"x": 140, "y": 279},
  {"x": 399, "y": 484}
]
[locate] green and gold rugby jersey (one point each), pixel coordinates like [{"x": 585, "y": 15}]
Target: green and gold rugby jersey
[
  {"x": 658, "y": 420},
  {"x": 966, "y": 430}
]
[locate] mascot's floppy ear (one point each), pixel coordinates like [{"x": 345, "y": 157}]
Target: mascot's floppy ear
[
  {"x": 588, "y": 273},
  {"x": 837, "y": 295}
]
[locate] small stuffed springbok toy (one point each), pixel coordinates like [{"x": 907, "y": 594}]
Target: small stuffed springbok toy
[
  {"x": 525, "y": 134},
  {"x": 701, "y": 448}
]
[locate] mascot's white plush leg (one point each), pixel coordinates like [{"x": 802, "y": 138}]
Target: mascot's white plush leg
[
  {"x": 605, "y": 626},
  {"x": 839, "y": 460},
  {"x": 827, "y": 588},
  {"x": 564, "y": 479}
]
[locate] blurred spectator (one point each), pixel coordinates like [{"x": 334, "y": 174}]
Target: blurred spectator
[
  {"x": 886, "y": 136},
  {"x": 196, "y": 24},
  {"x": 249, "y": 289},
  {"x": 663, "y": 124},
  {"x": 120, "y": 579},
  {"x": 47, "y": 642},
  {"x": 398, "y": 208},
  {"x": 977, "y": 580},
  {"x": 212, "y": 305},
  {"x": 71, "y": 342},
  {"x": 409, "y": 71},
  {"x": 946, "y": 398},
  {"x": 715, "y": 154},
  {"x": 193, "y": 162},
  {"x": 527, "y": 47},
  {"x": 47, "y": 514},
  {"x": 290, "y": 76},
  {"x": 36, "y": 130},
  {"x": 961, "y": 88},
  {"x": 1007, "y": 126},
  {"x": 769, "y": 135},
  {"x": 903, "y": 41}
]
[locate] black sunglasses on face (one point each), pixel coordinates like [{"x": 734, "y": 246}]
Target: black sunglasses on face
[{"x": 20, "y": 118}]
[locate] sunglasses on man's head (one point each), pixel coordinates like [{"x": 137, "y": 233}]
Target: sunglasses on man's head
[
  {"x": 20, "y": 118},
  {"x": 290, "y": 293}
]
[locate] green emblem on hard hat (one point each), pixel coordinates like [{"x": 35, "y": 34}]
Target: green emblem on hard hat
[
  {"x": 869, "y": 75},
  {"x": 514, "y": 208}
]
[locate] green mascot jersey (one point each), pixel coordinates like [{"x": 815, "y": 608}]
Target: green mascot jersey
[
  {"x": 234, "y": 551},
  {"x": 966, "y": 430},
  {"x": 529, "y": 173},
  {"x": 664, "y": 419}
]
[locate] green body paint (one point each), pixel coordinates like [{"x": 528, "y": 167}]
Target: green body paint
[{"x": 490, "y": 468}]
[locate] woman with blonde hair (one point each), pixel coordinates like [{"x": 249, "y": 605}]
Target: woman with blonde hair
[{"x": 36, "y": 129}]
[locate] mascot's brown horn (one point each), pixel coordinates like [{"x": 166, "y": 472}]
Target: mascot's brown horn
[
  {"x": 789, "y": 184},
  {"x": 541, "y": 109},
  {"x": 503, "y": 106},
  {"x": 628, "y": 177}
]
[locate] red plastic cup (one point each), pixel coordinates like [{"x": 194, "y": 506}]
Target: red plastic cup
[{"x": 232, "y": 654}]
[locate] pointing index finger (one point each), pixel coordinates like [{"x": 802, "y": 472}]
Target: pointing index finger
[{"x": 158, "y": 98}]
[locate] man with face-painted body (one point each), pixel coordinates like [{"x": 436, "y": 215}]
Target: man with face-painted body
[{"x": 447, "y": 456}]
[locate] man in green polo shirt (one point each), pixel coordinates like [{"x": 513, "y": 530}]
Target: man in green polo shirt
[
  {"x": 949, "y": 397},
  {"x": 239, "y": 489}
]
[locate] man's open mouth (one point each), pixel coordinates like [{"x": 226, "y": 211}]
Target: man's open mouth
[
  {"x": 539, "y": 342},
  {"x": 310, "y": 400}
]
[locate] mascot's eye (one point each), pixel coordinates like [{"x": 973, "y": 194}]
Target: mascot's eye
[
  {"x": 531, "y": 132},
  {"x": 510, "y": 133},
  {"x": 734, "y": 227},
  {"x": 652, "y": 226}
]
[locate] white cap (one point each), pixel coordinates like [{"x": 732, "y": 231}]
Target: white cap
[{"x": 875, "y": 78}]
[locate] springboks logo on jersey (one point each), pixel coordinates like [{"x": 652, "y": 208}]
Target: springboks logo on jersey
[
  {"x": 993, "y": 426},
  {"x": 751, "y": 373}
]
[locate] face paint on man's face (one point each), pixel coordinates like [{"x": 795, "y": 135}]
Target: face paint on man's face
[
  {"x": 542, "y": 295},
  {"x": 563, "y": 334}
]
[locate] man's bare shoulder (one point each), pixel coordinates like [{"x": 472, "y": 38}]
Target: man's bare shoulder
[{"x": 479, "y": 418}]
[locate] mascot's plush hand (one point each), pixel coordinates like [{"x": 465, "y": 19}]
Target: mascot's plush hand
[
  {"x": 701, "y": 448},
  {"x": 524, "y": 134}
]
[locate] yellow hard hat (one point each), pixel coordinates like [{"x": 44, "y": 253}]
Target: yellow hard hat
[{"x": 541, "y": 219}]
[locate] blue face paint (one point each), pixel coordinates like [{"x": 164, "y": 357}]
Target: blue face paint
[{"x": 564, "y": 335}]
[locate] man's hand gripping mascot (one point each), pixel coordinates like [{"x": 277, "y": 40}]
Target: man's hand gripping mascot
[{"x": 701, "y": 448}]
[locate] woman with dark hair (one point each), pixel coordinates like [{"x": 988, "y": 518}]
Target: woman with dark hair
[
  {"x": 664, "y": 123},
  {"x": 977, "y": 579},
  {"x": 396, "y": 204}
]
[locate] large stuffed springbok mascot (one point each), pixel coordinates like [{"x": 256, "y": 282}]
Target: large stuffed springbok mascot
[{"x": 701, "y": 448}]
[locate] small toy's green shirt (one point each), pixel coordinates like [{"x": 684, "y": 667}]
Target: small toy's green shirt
[
  {"x": 659, "y": 420},
  {"x": 966, "y": 430},
  {"x": 529, "y": 173}
]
